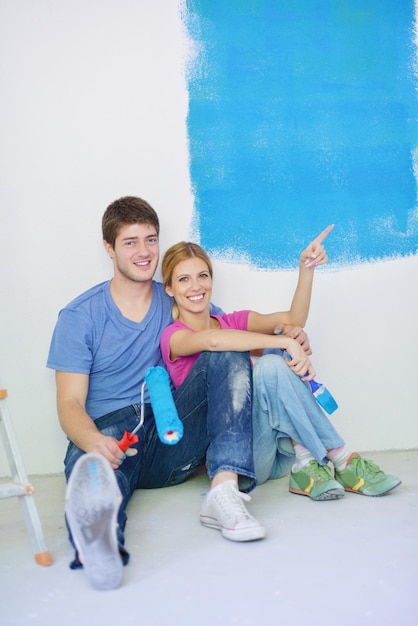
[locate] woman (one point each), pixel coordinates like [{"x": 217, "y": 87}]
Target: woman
[{"x": 287, "y": 420}]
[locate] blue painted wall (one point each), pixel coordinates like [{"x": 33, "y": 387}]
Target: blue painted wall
[{"x": 303, "y": 113}]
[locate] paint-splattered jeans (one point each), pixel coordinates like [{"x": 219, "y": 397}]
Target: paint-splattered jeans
[
  {"x": 214, "y": 404},
  {"x": 284, "y": 409}
]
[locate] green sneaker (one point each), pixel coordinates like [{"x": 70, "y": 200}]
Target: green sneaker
[
  {"x": 315, "y": 481},
  {"x": 365, "y": 477}
]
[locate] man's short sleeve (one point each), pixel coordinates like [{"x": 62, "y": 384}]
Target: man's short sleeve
[{"x": 71, "y": 344}]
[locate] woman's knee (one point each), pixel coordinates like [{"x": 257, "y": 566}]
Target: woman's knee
[
  {"x": 270, "y": 366},
  {"x": 240, "y": 359}
]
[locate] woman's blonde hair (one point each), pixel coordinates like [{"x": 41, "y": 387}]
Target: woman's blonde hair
[{"x": 176, "y": 254}]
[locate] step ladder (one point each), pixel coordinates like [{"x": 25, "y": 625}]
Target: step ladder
[{"x": 20, "y": 486}]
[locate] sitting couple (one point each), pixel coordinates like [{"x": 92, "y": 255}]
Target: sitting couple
[{"x": 247, "y": 423}]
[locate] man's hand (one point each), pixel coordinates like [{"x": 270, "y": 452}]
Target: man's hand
[
  {"x": 109, "y": 448},
  {"x": 295, "y": 332}
]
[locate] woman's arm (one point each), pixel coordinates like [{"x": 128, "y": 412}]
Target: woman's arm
[
  {"x": 186, "y": 342},
  {"x": 313, "y": 256}
]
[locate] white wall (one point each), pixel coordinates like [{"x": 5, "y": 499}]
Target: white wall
[{"x": 93, "y": 107}]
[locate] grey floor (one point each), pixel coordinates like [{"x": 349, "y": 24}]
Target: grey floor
[{"x": 348, "y": 562}]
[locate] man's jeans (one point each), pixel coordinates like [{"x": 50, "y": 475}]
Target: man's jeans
[
  {"x": 214, "y": 404},
  {"x": 284, "y": 409}
]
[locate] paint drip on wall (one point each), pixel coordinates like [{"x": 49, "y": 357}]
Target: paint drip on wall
[{"x": 301, "y": 115}]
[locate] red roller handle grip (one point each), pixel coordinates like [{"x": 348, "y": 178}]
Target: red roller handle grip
[{"x": 127, "y": 440}]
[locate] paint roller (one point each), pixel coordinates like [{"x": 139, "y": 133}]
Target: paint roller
[{"x": 169, "y": 427}]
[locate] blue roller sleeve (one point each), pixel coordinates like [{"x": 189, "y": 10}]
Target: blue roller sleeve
[{"x": 169, "y": 426}]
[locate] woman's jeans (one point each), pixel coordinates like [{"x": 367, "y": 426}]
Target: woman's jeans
[
  {"x": 284, "y": 408},
  {"x": 214, "y": 404}
]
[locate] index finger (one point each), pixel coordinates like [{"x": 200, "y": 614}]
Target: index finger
[{"x": 324, "y": 234}]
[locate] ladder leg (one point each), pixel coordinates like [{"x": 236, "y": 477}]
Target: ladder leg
[
  {"x": 33, "y": 524},
  {"x": 25, "y": 493}
]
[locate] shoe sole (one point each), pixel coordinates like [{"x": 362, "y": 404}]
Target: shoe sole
[
  {"x": 92, "y": 503},
  {"x": 331, "y": 494},
  {"x": 373, "y": 495},
  {"x": 246, "y": 534}
]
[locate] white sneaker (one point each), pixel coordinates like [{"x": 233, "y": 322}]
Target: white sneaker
[
  {"x": 93, "y": 498},
  {"x": 224, "y": 509}
]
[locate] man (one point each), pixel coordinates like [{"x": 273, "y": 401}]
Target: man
[{"x": 103, "y": 344}]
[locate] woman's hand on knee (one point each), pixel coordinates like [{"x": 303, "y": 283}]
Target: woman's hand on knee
[{"x": 299, "y": 362}]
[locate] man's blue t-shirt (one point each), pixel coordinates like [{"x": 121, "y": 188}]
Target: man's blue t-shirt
[{"x": 93, "y": 337}]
